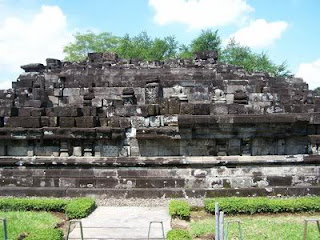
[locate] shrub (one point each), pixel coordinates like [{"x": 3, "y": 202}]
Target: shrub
[
  {"x": 28, "y": 204},
  {"x": 47, "y": 234},
  {"x": 73, "y": 208},
  {"x": 179, "y": 234},
  {"x": 80, "y": 207},
  {"x": 179, "y": 209},
  {"x": 234, "y": 205}
]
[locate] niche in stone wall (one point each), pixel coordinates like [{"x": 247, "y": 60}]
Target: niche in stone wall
[
  {"x": 159, "y": 147},
  {"x": 198, "y": 147},
  {"x": 221, "y": 147},
  {"x": 3, "y": 148},
  {"x": 17, "y": 148},
  {"x": 246, "y": 147},
  {"x": 46, "y": 148}
]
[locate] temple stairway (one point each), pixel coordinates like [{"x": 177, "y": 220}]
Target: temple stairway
[{"x": 123, "y": 223}]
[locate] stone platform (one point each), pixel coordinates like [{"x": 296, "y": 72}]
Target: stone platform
[
  {"x": 181, "y": 127},
  {"x": 151, "y": 177}
]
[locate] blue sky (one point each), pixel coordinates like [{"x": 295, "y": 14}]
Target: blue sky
[{"x": 31, "y": 30}]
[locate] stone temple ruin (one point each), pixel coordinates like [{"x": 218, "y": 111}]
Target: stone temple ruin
[{"x": 179, "y": 128}]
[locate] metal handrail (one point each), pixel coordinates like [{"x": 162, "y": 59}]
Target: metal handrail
[
  {"x": 5, "y": 229},
  {"x": 163, "y": 235},
  {"x": 69, "y": 228},
  {"x": 305, "y": 231},
  {"x": 239, "y": 222}
]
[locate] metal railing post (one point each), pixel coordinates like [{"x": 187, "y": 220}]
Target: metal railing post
[
  {"x": 227, "y": 229},
  {"x": 149, "y": 231},
  {"x": 305, "y": 229},
  {"x": 216, "y": 214},
  {"x": 69, "y": 228},
  {"x": 5, "y": 229}
]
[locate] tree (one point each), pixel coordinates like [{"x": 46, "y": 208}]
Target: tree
[
  {"x": 243, "y": 56},
  {"x": 124, "y": 47},
  {"x": 158, "y": 49},
  {"x": 89, "y": 42},
  {"x": 207, "y": 40},
  {"x": 143, "y": 47},
  {"x": 317, "y": 91},
  {"x": 185, "y": 52},
  {"x": 172, "y": 47}
]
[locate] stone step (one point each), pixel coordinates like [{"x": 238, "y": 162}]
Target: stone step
[
  {"x": 157, "y": 193},
  {"x": 117, "y": 233},
  {"x": 123, "y": 223}
]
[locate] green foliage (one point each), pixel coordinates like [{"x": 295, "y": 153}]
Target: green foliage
[
  {"x": 206, "y": 41},
  {"x": 235, "y": 205},
  {"x": 317, "y": 91},
  {"x": 73, "y": 208},
  {"x": 79, "y": 208},
  {"x": 146, "y": 48},
  {"x": 40, "y": 225},
  {"x": 48, "y": 234},
  {"x": 243, "y": 56},
  {"x": 260, "y": 226},
  {"x": 29, "y": 204},
  {"x": 179, "y": 234},
  {"x": 89, "y": 42},
  {"x": 179, "y": 209},
  {"x": 29, "y": 223},
  {"x": 185, "y": 52}
]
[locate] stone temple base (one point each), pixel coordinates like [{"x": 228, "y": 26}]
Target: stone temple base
[{"x": 152, "y": 177}]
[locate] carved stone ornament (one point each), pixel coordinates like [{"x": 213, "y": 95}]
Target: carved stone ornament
[
  {"x": 179, "y": 92},
  {"x": 152, "y": 93},
  {"x": 219, "y": 96}
]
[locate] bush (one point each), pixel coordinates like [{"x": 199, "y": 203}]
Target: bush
[
  {"x": 28, "y": 204},
  {"x": 80, "y": 207},
  {"x": 73, "y": 208},
  {"x": 178, "y": 235},
  {"x": 47, "y": 234},
  {"x": 179, "y": 209},
  {"x": 235, "y": 205}
]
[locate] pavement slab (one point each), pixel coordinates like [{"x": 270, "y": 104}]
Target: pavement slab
[{"x": 124, "y": 223}]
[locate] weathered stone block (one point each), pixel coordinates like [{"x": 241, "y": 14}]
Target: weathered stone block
[
  {"x": 66, "y": 112},
  {"x": 25, "y": 122},
  {"x": 85, "y": 122},
  {"x": 66, "y": 122},
  {"x": 218, "y": 109},
  {"x": 187, "y": 108},
  {"x": 103, "y": 122},
  {"x": 174, "y": 106},
  {"x": 202, "y": 109}
]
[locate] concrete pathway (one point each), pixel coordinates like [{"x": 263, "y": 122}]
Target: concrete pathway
[{"x": 123, "y": 223}]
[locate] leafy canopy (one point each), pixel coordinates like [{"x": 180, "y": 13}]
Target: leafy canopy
[
  {"x": 243, "y": 56},
  {"x": 144, "y": 47},
  {"x": 85, "y": 43}
]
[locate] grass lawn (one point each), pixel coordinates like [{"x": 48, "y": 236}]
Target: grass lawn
[
  {"x": 266, "y": 226},
  {"x": 27, "y": 222}
]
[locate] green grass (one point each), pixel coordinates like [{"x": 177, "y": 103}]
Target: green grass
[
  {"x": 251, "y": 205},
  {"x": 28, "y": 223},
  {"x": 179, "y": 209},
  {"x": 73, "y": 208},
  {"x": 32, "y": 218},
  {"x": 273, "y": 226}
]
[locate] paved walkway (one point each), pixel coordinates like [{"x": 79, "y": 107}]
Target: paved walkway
[{"x": 123, "y": 223}]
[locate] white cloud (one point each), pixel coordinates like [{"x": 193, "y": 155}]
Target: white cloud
[
  {"x": 310, "y": 72},
  {"x": 198, "y": 14},
  {"x": 5, "y": 84},
  {"x": 260, "y": 33},
  {"x": 24, "y": 40}
]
